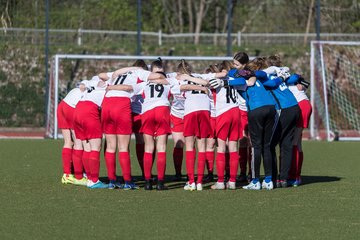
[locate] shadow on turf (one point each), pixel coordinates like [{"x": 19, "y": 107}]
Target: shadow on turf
[{"x": 318, "y": 179}]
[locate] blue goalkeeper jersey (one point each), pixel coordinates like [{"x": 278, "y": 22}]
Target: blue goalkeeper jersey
[
  {"x": 255, "y": 96},
  {"x": 283, "y": 97}
]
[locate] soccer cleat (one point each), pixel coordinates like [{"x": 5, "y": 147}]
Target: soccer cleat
[
  {"x": 294, "y": 183},
  {"x": 160, "y": 186},
  {"x": 148, "y": 185},
  {"x": 190, "y": 187},
  {"x": 209, "y": 178},
  {"x": 231, "y": 185},
  {"x": 281, "y": 184},
  {"x": 267, "y": 185},
  {"x": 242, "y": 178},
  {"x": 253, "y": 186},
  {"x": 114, "y": 184},
  {"x": 199, "y": 187},
  {"x": 67, "y": 179},
  {"x": 218, "y": 186},
  {"x": 80, "y": 182},
  {"x": 130, "y": 186},
  {"x": 177, "y": 178},
  {"x": 97, "y": 185}
]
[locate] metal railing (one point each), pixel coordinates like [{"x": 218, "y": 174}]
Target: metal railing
[{"x": 80, "y": 37}]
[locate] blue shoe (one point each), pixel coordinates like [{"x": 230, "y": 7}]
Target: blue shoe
[
  {"x": 114, "y": 184},
  {"x": 130, "y": 186},
  {"x": 98, "y": 184}
]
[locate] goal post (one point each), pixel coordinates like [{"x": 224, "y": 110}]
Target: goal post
[
  {"x": 335, "y": 90},
  {"x": 59, "y": 84}
]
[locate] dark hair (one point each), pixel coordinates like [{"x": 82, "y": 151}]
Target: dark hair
[
  {"x": 162, "y": 73},
  {"x": 140, "y": 63},
  {"x": 157, "y": 63},
  {"x": 273, "y": 60},
  {"x": 241, "y": 57},
  {"x": 184, "y": 67}
]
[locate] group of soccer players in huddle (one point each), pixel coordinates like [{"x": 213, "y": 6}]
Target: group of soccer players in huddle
[{"x": 236, "y": 113}]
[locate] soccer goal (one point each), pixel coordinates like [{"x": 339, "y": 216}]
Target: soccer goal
[
  {"x": 68, "y": 69},
  {"x": 335, "y": 90}
]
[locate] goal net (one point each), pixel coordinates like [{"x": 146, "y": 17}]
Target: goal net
[
  {"x": 335, "y": 90},
  {"x": 68, "y": 69}
]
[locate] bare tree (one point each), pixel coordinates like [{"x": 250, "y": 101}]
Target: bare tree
[
  {"x": 191, "y": 17},
  {"x": 180, "y": 16},
  {"x": 201, "y": 12}
]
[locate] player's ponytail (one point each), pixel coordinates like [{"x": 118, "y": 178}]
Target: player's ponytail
[{"x": 184, "y": 67}]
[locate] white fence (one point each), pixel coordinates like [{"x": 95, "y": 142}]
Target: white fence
[{"x": 87, "y": 37}]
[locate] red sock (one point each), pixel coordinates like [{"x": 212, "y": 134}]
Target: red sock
[
  {"x": 210, "y": 156},
  {"x": 178, "y": 158},
  {"x": 78, "y": 165},
  {"x": 94, "y": 164},
  {"x": 125, "y": 163},
  {"x": 85, "y": 161},
  {"x": 243, "y": 155},
  {"x": 220, "y": 166},
  {"x": 294, "y": 163},
  {"x": 201, "y": 166},
  {"x": 140, "y": 149},
  {"x": 227, "y": 163},
  {"x": 66, "y": 155},
  {"x": 301, "y": 159},
  {"x": 148, "y": 162},
  {"x": 190, "y": 165},
  {"x": 110, "y": 160},
  {"x": 234, "y": 165},
  {"x": 161, "y": 165}
]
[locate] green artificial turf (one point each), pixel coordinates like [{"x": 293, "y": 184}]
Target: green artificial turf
[{"x": 35, "y": 205}]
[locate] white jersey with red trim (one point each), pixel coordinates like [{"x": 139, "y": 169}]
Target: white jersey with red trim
[
  {"x": 94, "y": 93},
  {"x": 178, "y": 101},
  {"x": 195, "y": 100},
  {"x": 242, "y": 103},
  {"x": 299, "y": 95},
  {"x": 156, "y": 95},
  {"x": 226, "y": 98},
  {"x": 129, "y": 78},
  {"x": 208, "y": 76},
  {"x": 73, "y": 97}
]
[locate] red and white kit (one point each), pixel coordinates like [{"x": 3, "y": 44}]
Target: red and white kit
[
  {"x": 66, "y": 109},
  {"x": 304, "y": 105},
  {"x": 196, "y": 112},
  {"x": 227, "y": 114},
  {"x": 155, "y": 110},
  {"x": 116, "y": 108},
  {"x": 177, "y": 110},
  {"x": 87, "y": 123}
]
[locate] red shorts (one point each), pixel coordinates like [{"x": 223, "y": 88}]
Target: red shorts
[
  {"x": 213, "y": 127},
  {"x": 228, "y": 125},
  {"x": 116, "y": 116},
  {"x": 306, "y": 110},
  {"x": 136, "y": 122},
  {"x": 65, "y": 116},
  {"x": 197, "y": 124},
  {"x": 177, "y": 124},
  {"x": 156, "y": 122},
  {"x": 87, "y": 123},
  {"x": 244, "y": 129}
]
